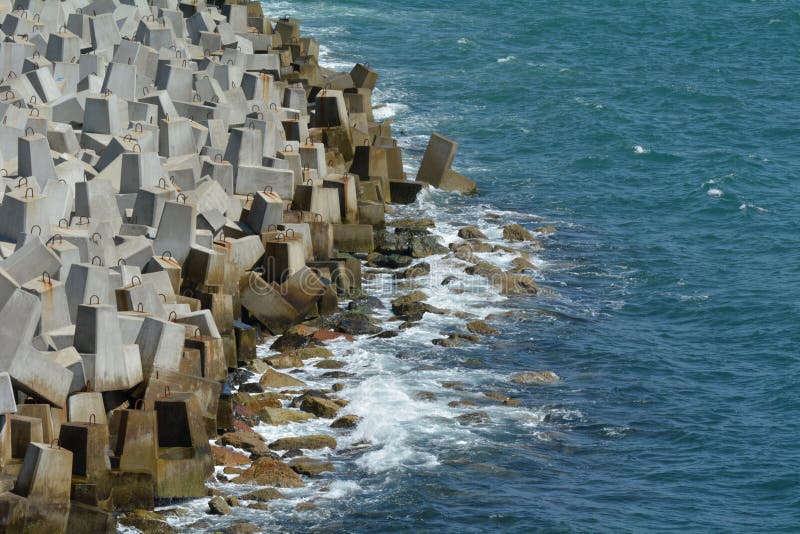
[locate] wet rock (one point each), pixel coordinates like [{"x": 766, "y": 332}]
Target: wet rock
[
  {"x": 411, "y": 306},
  {"x": 308, "y": 353},
  {"x": 269, "y": 472},
  {"x": 460, "y": 403},
  {"x": 415, "y": 271},
  {"x": 257, "y": 366},
  {"x": 355, "y": 323},
  {"x": 305, "y": 506},
  {"x": 237, "y": 377},
  {"x": 337, "y": 374},
  {"x": 456, "y": 340},
  {"x": 520, "y": 264},
  {"x": 464, "y": 250},
  {"x": 258, "y": 506},
  {"x": 249, "y": 441},
  {"x": 453, "y": 384},
  {"x": 535, "y": 377},
  {"x": 483, "y": 268},
  {"x": 232, "y": 471},
  {"x": 408, "y": 324},
  {"x": 472, "y": 362},
  {"x": 311, "y": 467},
  {"x": 290, "y": 341},
  {"x": 470, "y": 232},
  {"x": 259, "y": 401},
  {"x": 286, "y": 360},
  {"x": 292, "y": 453},
  {"x": 388, "y": 334},
  {"x": 426, "y": 245},
  {"x": 545, "y": 230},
  {"x": 386, "y": 243},
  {"x": 473, "y": 418},
  {"x": 515, "y": 284},
  {"x": 263, "y": 495},
  {"x": 313, "y": 441},
  {"x": 320, "y": 407},
  {"x": 406, "y": 224},
  {"x": 480, "y": 327},
  {"x": 515, "y": 232},
  {"x": 227, "y": 457},
  {"x": 512, "y": 402},
  {"x": 245, "y": 414},
  {"x": 449, "y": 280},
  {"x": 338, "y": 386},
  {"x": 365, "y": 304},
  {"x": 242, "y": 528},
  {"x": 218, "y": 506},
  {"x": 282, "y": 416},
  {"x": 346, "y": 421},
  {"x": 390, "y": 261},
  {"x": 251, "y": 387},
  {"x": 276, "y": 380},
  {"x": 329, "y": 364},
  {"x": 150, "y": 525},
  {"x": 425, "y": 395}
]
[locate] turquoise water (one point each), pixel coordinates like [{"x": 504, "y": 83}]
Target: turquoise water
[{"x": 660, "y": 140}]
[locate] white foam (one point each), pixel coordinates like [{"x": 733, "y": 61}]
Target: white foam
[
  {"x": 639, "y": 149},
  {"x": 714, "y": 192},
  {"x": 506, "y": 59},
  {"x": 463, "y": 41},
  {"x": 388, "y": 110}
]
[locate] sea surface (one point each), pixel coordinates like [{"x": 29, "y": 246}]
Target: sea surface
[{"x": 661, "y": 141}]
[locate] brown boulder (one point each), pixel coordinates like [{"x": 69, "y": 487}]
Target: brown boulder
[
  {"x": 515, "y": 232},
  {"x": 218, "y": 506},
  {"x": 269, "y": 472},
  {"x": 249, "y": 441},
  {"x": 314, "y": 441},
  {"x": 480, "y": 327},
  {"x": 329, "y": 364},
  {"x": 515, "y": 284},
  {"x": 346, "y": 421},
  {"x": 282, "y": 416},
  {"x": 310, "y": 467},
  {"x": 470, "y": 232},
  {"x": 320, "y": 407},
  {"x": 263, "y": 495},
  {"x": 227, "y": 457},
  {"x": 276, "y": 380},
  {"x": 285, "y": 360}
]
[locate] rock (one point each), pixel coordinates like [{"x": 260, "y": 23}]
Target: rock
[
  {"x": 249, "y": 441},
  {"x": 257, "y": 366},
  {"x": 242, "y": 528},
  {"x": 472, "y": 362},
  {"x": 512, "y": 402},
  {"x": 520, "y": 264},
  {"x": 337, "y": 374},
  {"x": 290, "y": 341},
  {"x": 251, "y": 387},
  {"x": 263, "y": 495},
  {"x": 311, "y": 467},
  {"x": 218, "y": 506},
  {"x": 460, "y": 403},
  {"x": 276, "y": 380},
  {"x": 424, "y": 222},
  {"x": 426, "y": 245},
  {"x": 346, "y": 421},
  {"x": 245, "y": 414},
  {"x": 292, "y": 453},
  {"x": 330, "y": 364},
  {"x": 146, "y": 524},
  {"x": 269, "y": 472},
  {"x": 515, "y": 284},
  {"x": 320, "y": 407},
  {"x": 305, "y": 506},
  {"x": 473, "y": 418},
  {"x": 233, "y": 470},
  {"x": 449, "y": 280},
  {"x": 464, "y": 250},
  {"x": 453, "y": 384},
  {"x": 227, "y": 457},
  {"x": 480, "y": 327},
  {"x": 258, "y": 402},
  {"x": 535, "y": 377},
  {"x": 470, "y": 232},
  {"x": 388, "y": 334},
  {"x": 356, "y": 323},
  {"x": 425, "y": 395},
  {"x": 286, "y": 360},
  {"x": 237, "y": 377},
  {"x": 390, "y": 261},
  {"x": 365, "y": 304},
  {"x": 515, "y": 232},
  {"x": 411, "y": 307},
  {"x": 420, "y": 269},
  {"x": 484, "y": 268},
  {"x": 309, "y": 353},
  {"x": 408, "y": 324},
  {"x": 338, "y": 386},
  {"x": 282, "y": 416},
  {"x": 314, "y": 441},
  {"x": 455, "y": 340},
  {"x": 258, "y": 506}
]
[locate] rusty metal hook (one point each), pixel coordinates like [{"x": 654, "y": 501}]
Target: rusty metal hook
[{"x": 94, "y": 297}]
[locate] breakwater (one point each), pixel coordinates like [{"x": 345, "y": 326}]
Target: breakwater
[{"x": 184, "y": 182}]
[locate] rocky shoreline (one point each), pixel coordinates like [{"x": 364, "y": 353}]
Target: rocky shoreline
[{"x": 193, "y": 208}]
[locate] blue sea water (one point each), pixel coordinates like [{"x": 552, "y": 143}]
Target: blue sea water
[{"x": 660, "y": 140}]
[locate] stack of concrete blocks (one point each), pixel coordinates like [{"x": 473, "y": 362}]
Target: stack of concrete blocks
[{"x": 178, "y": 177}]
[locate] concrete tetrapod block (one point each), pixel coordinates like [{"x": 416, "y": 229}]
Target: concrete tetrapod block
[
  {"x": 322, "y": 201},
  {"x": 88, "y": 442},
  {"x": 8, "y": 403},
  {"x": 266, "y": 304},
  {"x": 176, "y": 230},
  {"x": 266, "y": 210},
  {"x": 88, "y": 283},
  {"x": 283, "y": 257},
  {"x": 353, "y": 238},
  {"x": 346, "y": 186},
  {"x": 87, "y": 407},
  {"x": 437, "y": 160},
  {"x": 136, "y": 447},
  {"x": 254, "y": 178},
  {"x": 54, "y": 305},
  {"x": 303, "y": 289},
  {"x": 246, "y": 252},
  {"x": 19, "y": 318},
  {"x": 30, "y": 260},
  {"x": 160, "y": 345},
  {"x": 45, "y": 481},
  {"x": 109, "y": 365},
  {"x": 184, "y": 458}
]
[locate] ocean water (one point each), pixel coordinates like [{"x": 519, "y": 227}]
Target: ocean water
[{"x": 659, "y": 139}]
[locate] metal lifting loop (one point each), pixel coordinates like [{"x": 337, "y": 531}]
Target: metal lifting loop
[
  {"x": 137, "y": 148},
  {"x": 273, "y": 106},
  {"x": 166, "y": 255},
  {"x": 56, "y": 441},
  {"x": 162, "y": 183},
  {"x": 31, "y": 191},
  {"x": 167, "y": 392},
  {"x": 99, "y": 260},
  {"x": 92, "y": 419},
  {"x": 280, "y": 236},
  {"x": 317, "y": 217},
  {"x": 137, "y": 128},
  {"x": 255, "y": 107},
  {"x": 288, "y": 148},
  {"x": 139, "y": 404},
  {"x": 217, "y": 157},
  {"x": 140, "y": 308},
  {"x": 272, "y": 227},
  {"x": 197, "y": 332},
  {"x": 52, "y": 240},
  {"x": 20, "y": 182},
  {"x": 260, "y": 116},
  {"x": 31, "y": 113},
  {"x": 121, "y": 262},
  {"x": 31, "y": 130},
  {"x": 134, "y": 278},
  {"x": 163, "y": 296},
  {"x": 96, "y": 237},
  {"x": 93, "y": 297},
  {"x": 49, "y": 281},
  {"x": 268, "y": 187},
  {"x": 251, "y": 125},
  {"x": 287, "y": 233},
  {"x": 308, "y": 141},
  {"x": 9, "y": 92},
  {"x": 178, "y": 198},
  {"x": 66, "y": 221},
  {"x": 173, "y": 316}
]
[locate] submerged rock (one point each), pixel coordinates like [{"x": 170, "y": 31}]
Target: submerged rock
[
  {"x": 311, "y": 467},
  {"x": 420, "y": 269},
  {"x": 480, "y": 327},
  {"x": 474, "y": 418},
  {"x": 263, "y": 495},
  {"x": 346, "y": 421},
  {"x": 365, "y": 304},
  {"x": 535, "y": 377},
  {"x": 390, "y": 261},
  {"x": 218, "y": 506}
]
